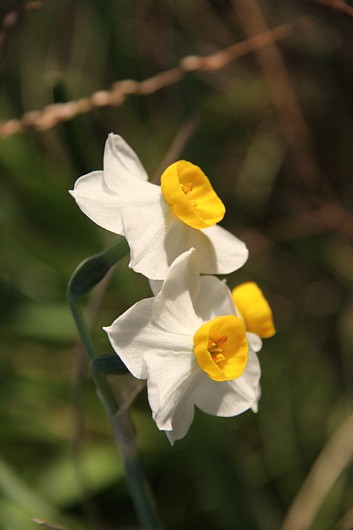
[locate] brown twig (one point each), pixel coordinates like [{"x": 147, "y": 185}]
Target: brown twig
[
  {"x": 338, "y": 5},
  {"x": 181, "y": 138},
  {"x": 333, "y": 459},
  {"x": 10, "y": 20},
  {"x": 46, "y": 524},
  {"x": 282, "y": 94},
  {"x": 328, "y": 217},
  {"x": 53, "y": 114},
  {"x": 346, "y": 521}
]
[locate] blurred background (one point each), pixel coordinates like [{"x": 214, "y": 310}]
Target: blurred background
[{"x": 270, "y": 122}]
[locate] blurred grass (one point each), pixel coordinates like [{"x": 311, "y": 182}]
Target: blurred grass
[{"x": 239, "y": 473}]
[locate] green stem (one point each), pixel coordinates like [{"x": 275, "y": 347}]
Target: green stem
[
  {"x": 82, "y": 328},
  {"x": 125, "y": 436},
  {"x": 86, "y": 276}
]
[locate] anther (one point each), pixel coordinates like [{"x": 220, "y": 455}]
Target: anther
[
  {"x": 218, "y": 357},
  {"x": 187, "y": 187}
]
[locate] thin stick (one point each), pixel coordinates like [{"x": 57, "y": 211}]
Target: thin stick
[
  {"x": 51, "y": 115},
  {"x": 331, "y": 462},
  {"x": 46, "y": 524},
  {"x": 78, "y": 433},
  {"x": 11, "y": 19},
  {"x": 86, "y": 276},
  {"x": 337, "y": 4},
  {"x": 180, "y": 140},
  {"x": 328, "y": 217},
  {"x": 282, "y": 94}
]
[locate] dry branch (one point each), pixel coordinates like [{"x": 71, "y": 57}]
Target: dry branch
[
  {"x": 53, "y": 114},
  {"x": 283, "y": 96},
  {"x": 332, "y": 461},
  {"x": 337, "y": 4}
]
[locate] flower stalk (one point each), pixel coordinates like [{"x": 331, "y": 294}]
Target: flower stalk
[{"x": 90, "y": 272}]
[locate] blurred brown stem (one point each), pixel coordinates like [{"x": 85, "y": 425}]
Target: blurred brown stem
[
  {"x": 327, "y": 217},
  {"x": 331, "y": 462},
  {"x": 11, "y": 19},
  {"x": 180, "y": 140},
  {"x": 282, "y": 94},
  {"x": 53, "y": 114},
  {"x": 338, "y": 5}
]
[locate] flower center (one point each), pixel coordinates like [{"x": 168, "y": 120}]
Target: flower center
[
  {"x": 191, "y": 196},
  {"x": 221, "y": 348},
  {"x": 187, "y": 188},
  {"x": 254, "y": 309},
  {"x": 214, "y": 347}
]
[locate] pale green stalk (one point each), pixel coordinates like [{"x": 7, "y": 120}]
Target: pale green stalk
[{"x": 87, "y": 275}]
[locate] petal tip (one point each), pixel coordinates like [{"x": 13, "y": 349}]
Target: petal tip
[{"x": 170, "y": 437}]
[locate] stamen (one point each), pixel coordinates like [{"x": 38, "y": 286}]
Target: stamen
[
  {"x": 214, "y": 347},
  {"x": 218, "y": 358},
  {"x": 222, "y": 339},
  {"x": 221, "y": 348},
  {"x": 187, "y": 187}
]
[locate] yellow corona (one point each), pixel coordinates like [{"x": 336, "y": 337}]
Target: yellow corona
[
  {"x": 221, "y": 348},
  {"x": 191, "y": 196}
]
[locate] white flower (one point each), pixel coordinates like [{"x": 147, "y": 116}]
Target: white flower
[
  {"x": 191, "y": 347},
  {"x": 159, "y": 222}
]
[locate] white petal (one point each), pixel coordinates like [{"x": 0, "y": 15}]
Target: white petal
[
  {"x": 182, "y": 420},
  {"x": 145, "y": 230},
  {"x": 184, "y": 411},
  {"x": 129, "y": 189},
  {"x": 254, "y": 341},
  {"x": 103, "y": 205},
  {"x": 120, "y": 159},
  {"x": 173, "y": 308},
  {"x": 131, "y": 334},
  {"x": 156, "y": 286},
  {"x": 229, "y": 253},
  {"x": 165, "y": 359},
  {"x": 98, "y": 202},
  {"x": 169, "y": 376},
  {"x": 180, "y": 238},
  {"x": 230, "y": 398},
  {"x": 213, "y": 299},
  {"x": 134, "y": 333},
  {"x": 218, "y": 251},
  {"x": 156, "y": 238},
  {"x": 102, "y": 194}
]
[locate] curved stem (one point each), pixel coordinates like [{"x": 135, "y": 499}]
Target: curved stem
[{"x": 86, "y": 276}]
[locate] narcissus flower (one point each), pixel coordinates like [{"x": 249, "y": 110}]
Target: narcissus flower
[
  {"x": 192, "y": 348},
  {"x": 159, "y": 222}
]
